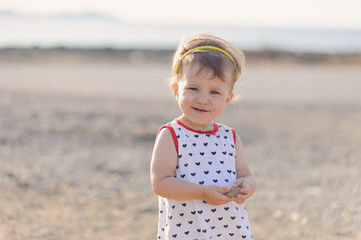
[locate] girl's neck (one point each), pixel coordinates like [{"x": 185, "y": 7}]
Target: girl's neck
[{"x": 210, "y": 127}]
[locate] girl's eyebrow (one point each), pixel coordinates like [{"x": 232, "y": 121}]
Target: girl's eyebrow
[{"x": 190, "y": 82}]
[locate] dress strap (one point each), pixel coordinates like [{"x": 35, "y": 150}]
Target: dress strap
[
  {"x": 174, "y": 136},
  {"x": 234, "y": 136}
]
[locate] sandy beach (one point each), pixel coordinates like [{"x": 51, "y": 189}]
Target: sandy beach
[{"x": 77, "y": 130}]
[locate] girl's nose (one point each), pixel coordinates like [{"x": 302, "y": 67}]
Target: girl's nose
[{"x": 202, "y": 98}]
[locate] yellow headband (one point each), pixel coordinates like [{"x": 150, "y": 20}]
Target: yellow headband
[{"x": 206, "y": 47}]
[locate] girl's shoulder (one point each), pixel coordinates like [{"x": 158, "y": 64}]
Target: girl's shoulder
[{"x": 171, "y": 128}]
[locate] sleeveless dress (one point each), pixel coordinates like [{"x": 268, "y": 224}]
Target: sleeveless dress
[{"x": 206, "y": 158}]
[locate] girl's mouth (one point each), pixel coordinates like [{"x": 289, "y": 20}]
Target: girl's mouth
[{"x": 199, "y": 109}]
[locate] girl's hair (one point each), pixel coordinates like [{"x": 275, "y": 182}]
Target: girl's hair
[{"x": 209, "y": 58}]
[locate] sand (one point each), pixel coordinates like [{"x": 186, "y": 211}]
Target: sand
[{"x": 76, "y": 139}]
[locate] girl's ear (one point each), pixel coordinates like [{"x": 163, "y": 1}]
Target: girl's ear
[
  {"x": 175, "y": 90},
  {"x": 229, "y": 98}
]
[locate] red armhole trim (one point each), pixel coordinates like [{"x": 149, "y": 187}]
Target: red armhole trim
[
  {"x": 234, "y": 136},
  {"x": 174, "y": 136}
]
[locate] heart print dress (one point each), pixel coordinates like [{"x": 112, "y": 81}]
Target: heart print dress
[{"x": 206, "y": 158}]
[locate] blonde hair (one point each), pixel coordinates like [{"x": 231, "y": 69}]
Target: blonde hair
[{"x": 210, "y": 58}]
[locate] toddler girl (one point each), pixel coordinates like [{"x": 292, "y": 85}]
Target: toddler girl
[{"x": 196, "y": 161}]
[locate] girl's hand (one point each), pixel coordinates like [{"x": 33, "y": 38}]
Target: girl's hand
[
  {"x": 248, "y": 187},
  {"x": 215, "y": 195}
]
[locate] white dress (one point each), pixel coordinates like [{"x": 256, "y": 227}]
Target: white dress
[{"x": 206, "y": 158}]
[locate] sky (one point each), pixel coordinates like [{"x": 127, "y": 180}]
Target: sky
[{"x": 330, "y": 14}]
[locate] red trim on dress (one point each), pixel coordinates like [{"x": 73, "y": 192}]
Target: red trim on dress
[
  {"x": 234, "y": 136},
  {"x": 213, "y": 132},
  {"x": 174, "y": 136}
]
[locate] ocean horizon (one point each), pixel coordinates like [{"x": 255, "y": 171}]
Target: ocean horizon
[{"x": 97, "y": 31}]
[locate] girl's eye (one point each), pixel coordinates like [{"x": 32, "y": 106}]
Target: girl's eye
[
  {"x": 193, "y": 88},
  {"x": 214, "y": 92}
]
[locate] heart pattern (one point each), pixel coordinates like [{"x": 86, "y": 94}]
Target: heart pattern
[{"x": 204, "y": 159}]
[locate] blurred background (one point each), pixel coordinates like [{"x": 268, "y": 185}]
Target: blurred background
[
  {"x": 83, "y": 91},
  {"x": 280, "y": 25}
]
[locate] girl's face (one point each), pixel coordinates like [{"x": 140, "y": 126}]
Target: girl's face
[{"x": 201, "y": 96}]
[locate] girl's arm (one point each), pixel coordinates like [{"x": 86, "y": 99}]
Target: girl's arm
[
  {"x": 245, "y": 179},
  {"x": 163, "y": 165}
]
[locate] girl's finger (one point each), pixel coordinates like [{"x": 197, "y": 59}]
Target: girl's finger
[
  {"x": 245, "y": 190},
  {"x": 224, "y": 189}
]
